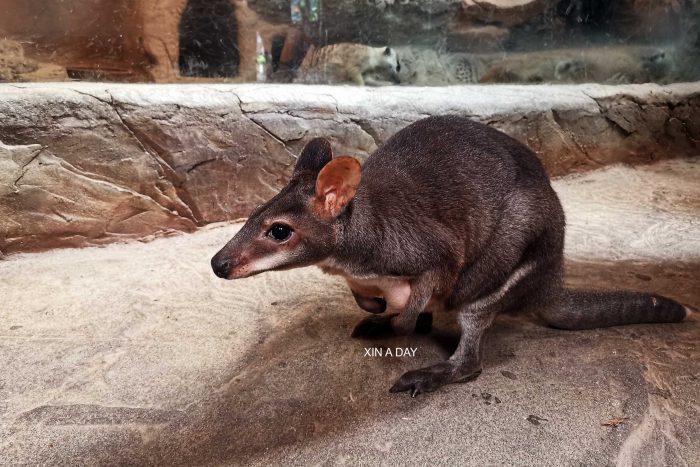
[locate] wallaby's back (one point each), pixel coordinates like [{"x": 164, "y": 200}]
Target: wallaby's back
[
  {"x": 451, "y": 191},
  {"x": 442, "y": 186},
  {"x": 449, "y": 214}
]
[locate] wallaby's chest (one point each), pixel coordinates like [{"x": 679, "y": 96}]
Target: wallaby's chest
[{"x": 395, "y": 290}]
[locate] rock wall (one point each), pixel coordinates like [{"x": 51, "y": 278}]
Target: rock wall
[
  {"x": 79, "y": 35},
  {"x": 551, "y": 23},
  {"x": 506, "y": 13},
  {"x": 161, "y": 39},
  {"x": 116, "y": 40},
  {"x": 85, "y": 164},
  {"x": 139, "y": 41}
]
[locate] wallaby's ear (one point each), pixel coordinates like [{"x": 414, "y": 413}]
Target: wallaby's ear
[
  {"x": 387, "y": 51},
  {"x": 315, "y": 155},
  {"x": 336, "y": 185}
]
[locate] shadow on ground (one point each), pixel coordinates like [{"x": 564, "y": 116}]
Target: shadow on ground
[{"x": 310, "y": 383}]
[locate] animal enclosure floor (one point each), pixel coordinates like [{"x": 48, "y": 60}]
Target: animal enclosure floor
[{"x": 135, "y": 354}]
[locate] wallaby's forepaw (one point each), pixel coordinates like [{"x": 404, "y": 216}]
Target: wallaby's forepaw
[
  {"x": 433, "y": 377},
  {"x": 374, "y": 327}
]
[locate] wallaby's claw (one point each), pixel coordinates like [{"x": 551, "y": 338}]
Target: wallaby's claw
[{"x": 430, "y": 378}]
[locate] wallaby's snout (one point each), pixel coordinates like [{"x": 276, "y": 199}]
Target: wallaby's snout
[
  {"x": 236, "y": 259},
  {"x": 221, "y": 265},
  {"x": 227, "y": 266}
]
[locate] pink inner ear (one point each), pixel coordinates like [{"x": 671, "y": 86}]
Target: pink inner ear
[
  {"x": 330, "y": 203},
  {"x": 336, "y": 184}
]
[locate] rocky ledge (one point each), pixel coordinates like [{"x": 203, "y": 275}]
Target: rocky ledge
[{"x": 84, "y": 164}]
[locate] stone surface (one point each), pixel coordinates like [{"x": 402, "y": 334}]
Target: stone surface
[
  {"x": 130, "y": 161},
  {"x": 161, "y": 39},
  {"x": 688, "y": 54},
  {"x": 51, "y": 201},
  {"x": 636, "y": 20},
  {"x": 506, "y": 13},
  {"x": 138, "y": 40},
  {"x": 160, "y": 23},
  {"x": 375, "y": 22},
  {"x": 659, "y": 206},
  {"x": 116, "y": 40},
  {"x": 137, "y": 354},
  {"x": 87, "y": 36},
  {"x": 13, "y": 63}
]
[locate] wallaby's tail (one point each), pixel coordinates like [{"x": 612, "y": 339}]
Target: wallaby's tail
[{"x": 585, "y": 309}]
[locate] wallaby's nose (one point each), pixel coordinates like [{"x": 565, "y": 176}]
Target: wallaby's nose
[{"x": 221, "y": 266}]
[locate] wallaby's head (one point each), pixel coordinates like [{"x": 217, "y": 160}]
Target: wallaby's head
[
  {"x": 298, "y": 226},
  {"x": 390, "y": 65}
]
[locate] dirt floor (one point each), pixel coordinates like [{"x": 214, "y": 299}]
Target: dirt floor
[{"x": 136, "y": 354}]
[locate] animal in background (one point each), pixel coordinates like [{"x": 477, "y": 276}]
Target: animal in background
[
  {"x": 423, "y": 66},
  {"x": 350, "y": 63},
  {"x": 448, "y": 215},
  {"x": 609, "y": 64},
  {"x": 616, "y": 67}
]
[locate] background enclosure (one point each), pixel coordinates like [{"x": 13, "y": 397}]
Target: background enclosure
[{"x": 438, "y": 42}]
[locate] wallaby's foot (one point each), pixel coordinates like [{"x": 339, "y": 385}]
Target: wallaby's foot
[
  {"x": 433, "y": 377},
  {"x": 377, "y": 327}
]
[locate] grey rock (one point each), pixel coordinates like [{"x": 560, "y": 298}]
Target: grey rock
[
  {"x": 85, "y": 164},
  {"x": 375, "y": 22},
  {"x": 507, "y": 13}
]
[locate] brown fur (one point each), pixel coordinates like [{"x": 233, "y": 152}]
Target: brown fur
[{"x": 449, "y": 214}]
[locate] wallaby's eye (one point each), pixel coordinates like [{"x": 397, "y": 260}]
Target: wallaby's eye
[{"x": 280, "y": 232}]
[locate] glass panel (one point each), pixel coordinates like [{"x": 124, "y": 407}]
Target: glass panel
[{"x": 370, "y": 42}]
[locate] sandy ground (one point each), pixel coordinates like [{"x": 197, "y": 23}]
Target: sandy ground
[{"x": 135, "y": 354}]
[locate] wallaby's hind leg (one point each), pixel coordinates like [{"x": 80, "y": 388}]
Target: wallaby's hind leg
[{"x": 465, "y": 364}]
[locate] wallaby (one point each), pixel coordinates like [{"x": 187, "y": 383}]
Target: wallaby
[{"x": 449, "y": 214}]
